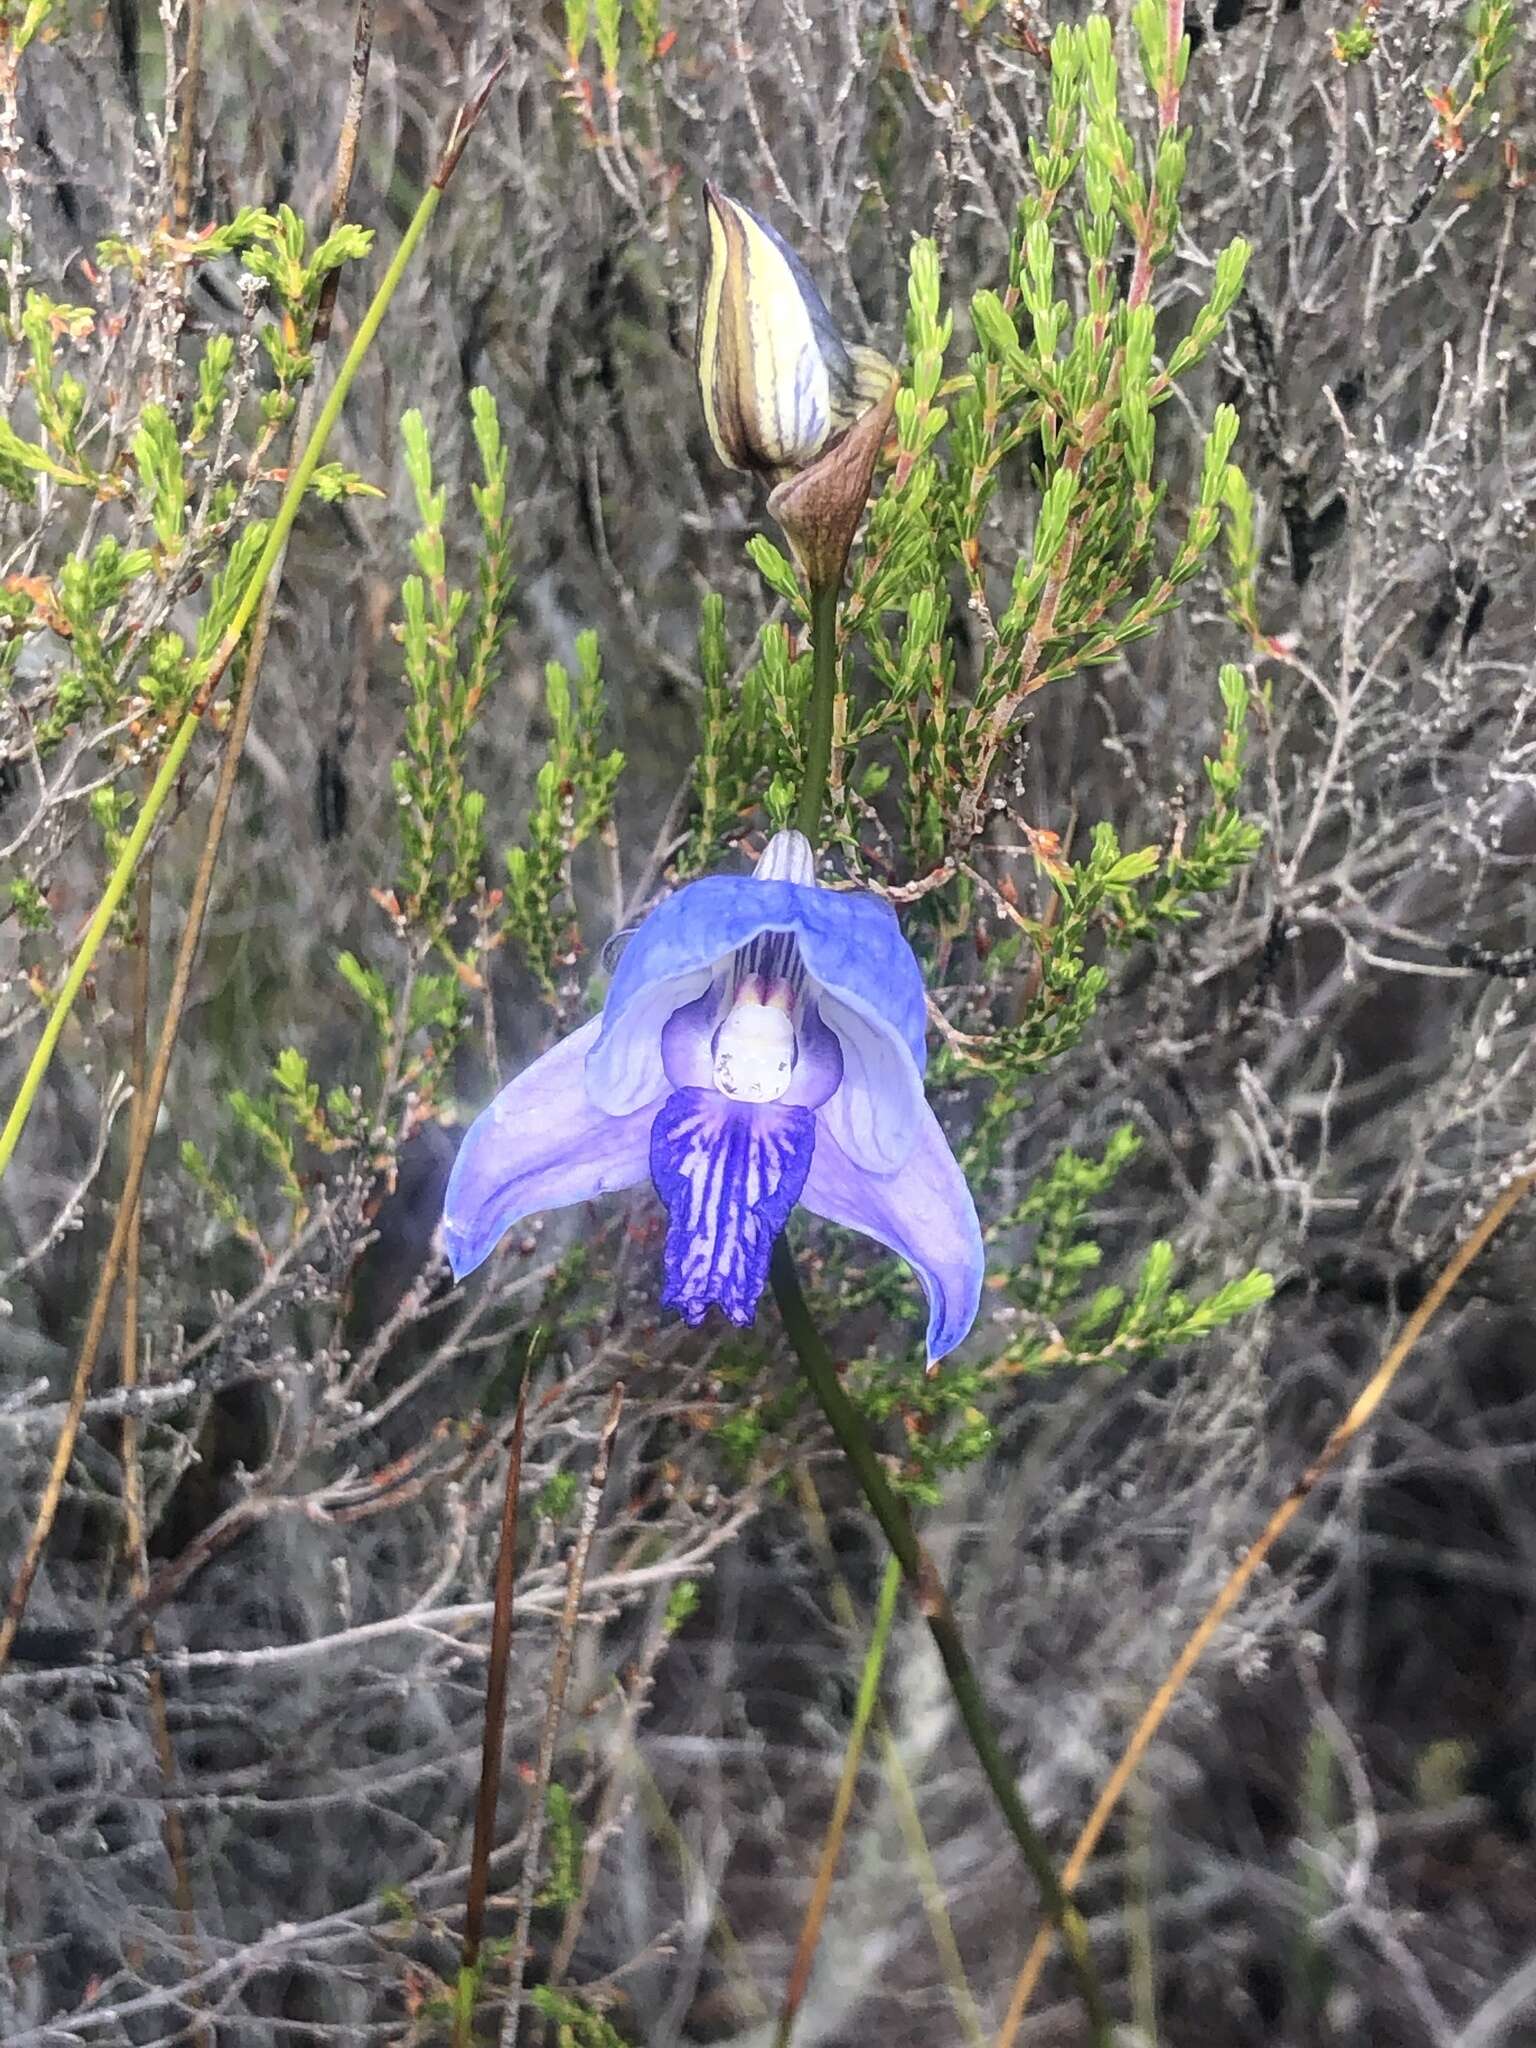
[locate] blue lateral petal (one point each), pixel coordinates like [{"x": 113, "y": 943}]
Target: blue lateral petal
[
  {"x": 851, "y": 944},
  {"x": 876, "y": 1113},
  {"x": 924, "y": 1213},
  {"x": 729, "y": 1173},
  {"x": 542, "y": 1144}
]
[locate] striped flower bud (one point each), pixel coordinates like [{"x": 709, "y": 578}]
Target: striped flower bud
[{"x": 777, "y": 380}]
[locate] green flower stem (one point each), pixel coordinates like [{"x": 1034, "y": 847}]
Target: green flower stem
[
  {"x": 818, "y": 739},
  {"x": 933, "y": 1603},
  {"x": 208, "y": 680}
]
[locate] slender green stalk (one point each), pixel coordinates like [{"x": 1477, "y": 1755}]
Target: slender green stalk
[
  {"x": 832, "y": 1842},
  {"x": 208, "y": 681},
  {"x": 818, "y": 739},
  {"x": 933, "y": 1603}
]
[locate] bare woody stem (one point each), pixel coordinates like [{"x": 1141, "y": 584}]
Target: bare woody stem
[
  {"x": 554, "y": 1707},
  {"x": 494, "y": 1733},
  {"x": 172, "y": 1829},
  {"x": 185, "y": 163},
  {"x": 933, "y": 1603}
]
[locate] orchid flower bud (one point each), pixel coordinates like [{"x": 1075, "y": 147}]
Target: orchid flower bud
[{"x": 777, "y": 380}]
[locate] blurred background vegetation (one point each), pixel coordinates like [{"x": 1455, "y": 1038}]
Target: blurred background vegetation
[{"x": 240, "y": 1725}]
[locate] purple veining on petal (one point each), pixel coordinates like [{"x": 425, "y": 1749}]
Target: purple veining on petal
[
  {"x": 728, "y": 1173},
  {"x": 876, "y": 1114},
  {"x": 833, "y": 349},
  {"x": 771, "y": 956},
  {"x": 808, "y": 428}
]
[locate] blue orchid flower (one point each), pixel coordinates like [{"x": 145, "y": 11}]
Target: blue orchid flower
[{"x": 761, "y": 1046}]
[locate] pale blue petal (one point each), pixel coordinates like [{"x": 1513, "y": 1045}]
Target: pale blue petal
[
  {"x": 729, "y": 1174},
  {"x": 852, "y": 947},
  {"x": 924, "y": 1213},
  {"x": 625, "y": 1068},
  {"x": 542, "y": 1144},
  {"x": 876, "y": 1114}
]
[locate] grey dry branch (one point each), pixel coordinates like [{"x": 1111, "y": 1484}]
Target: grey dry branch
[{"x": 125, "y": 1229}]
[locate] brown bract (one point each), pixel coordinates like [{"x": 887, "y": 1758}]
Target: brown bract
[{"x": 820, "y": 507}]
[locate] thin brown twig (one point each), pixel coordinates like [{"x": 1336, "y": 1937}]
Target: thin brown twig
[
  {"x": 1365, "y": 1405},
  {"x": 139, "y": 1131},
  {"x": 494, "y": 1737},
  {"x": 186, "y": 120},
  {"x": 559, "y": 1676},
  {"x": 186, "y": 956},
  {"x": 634, "y": 1691},
  {"x": 128, "y": 1373}
]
